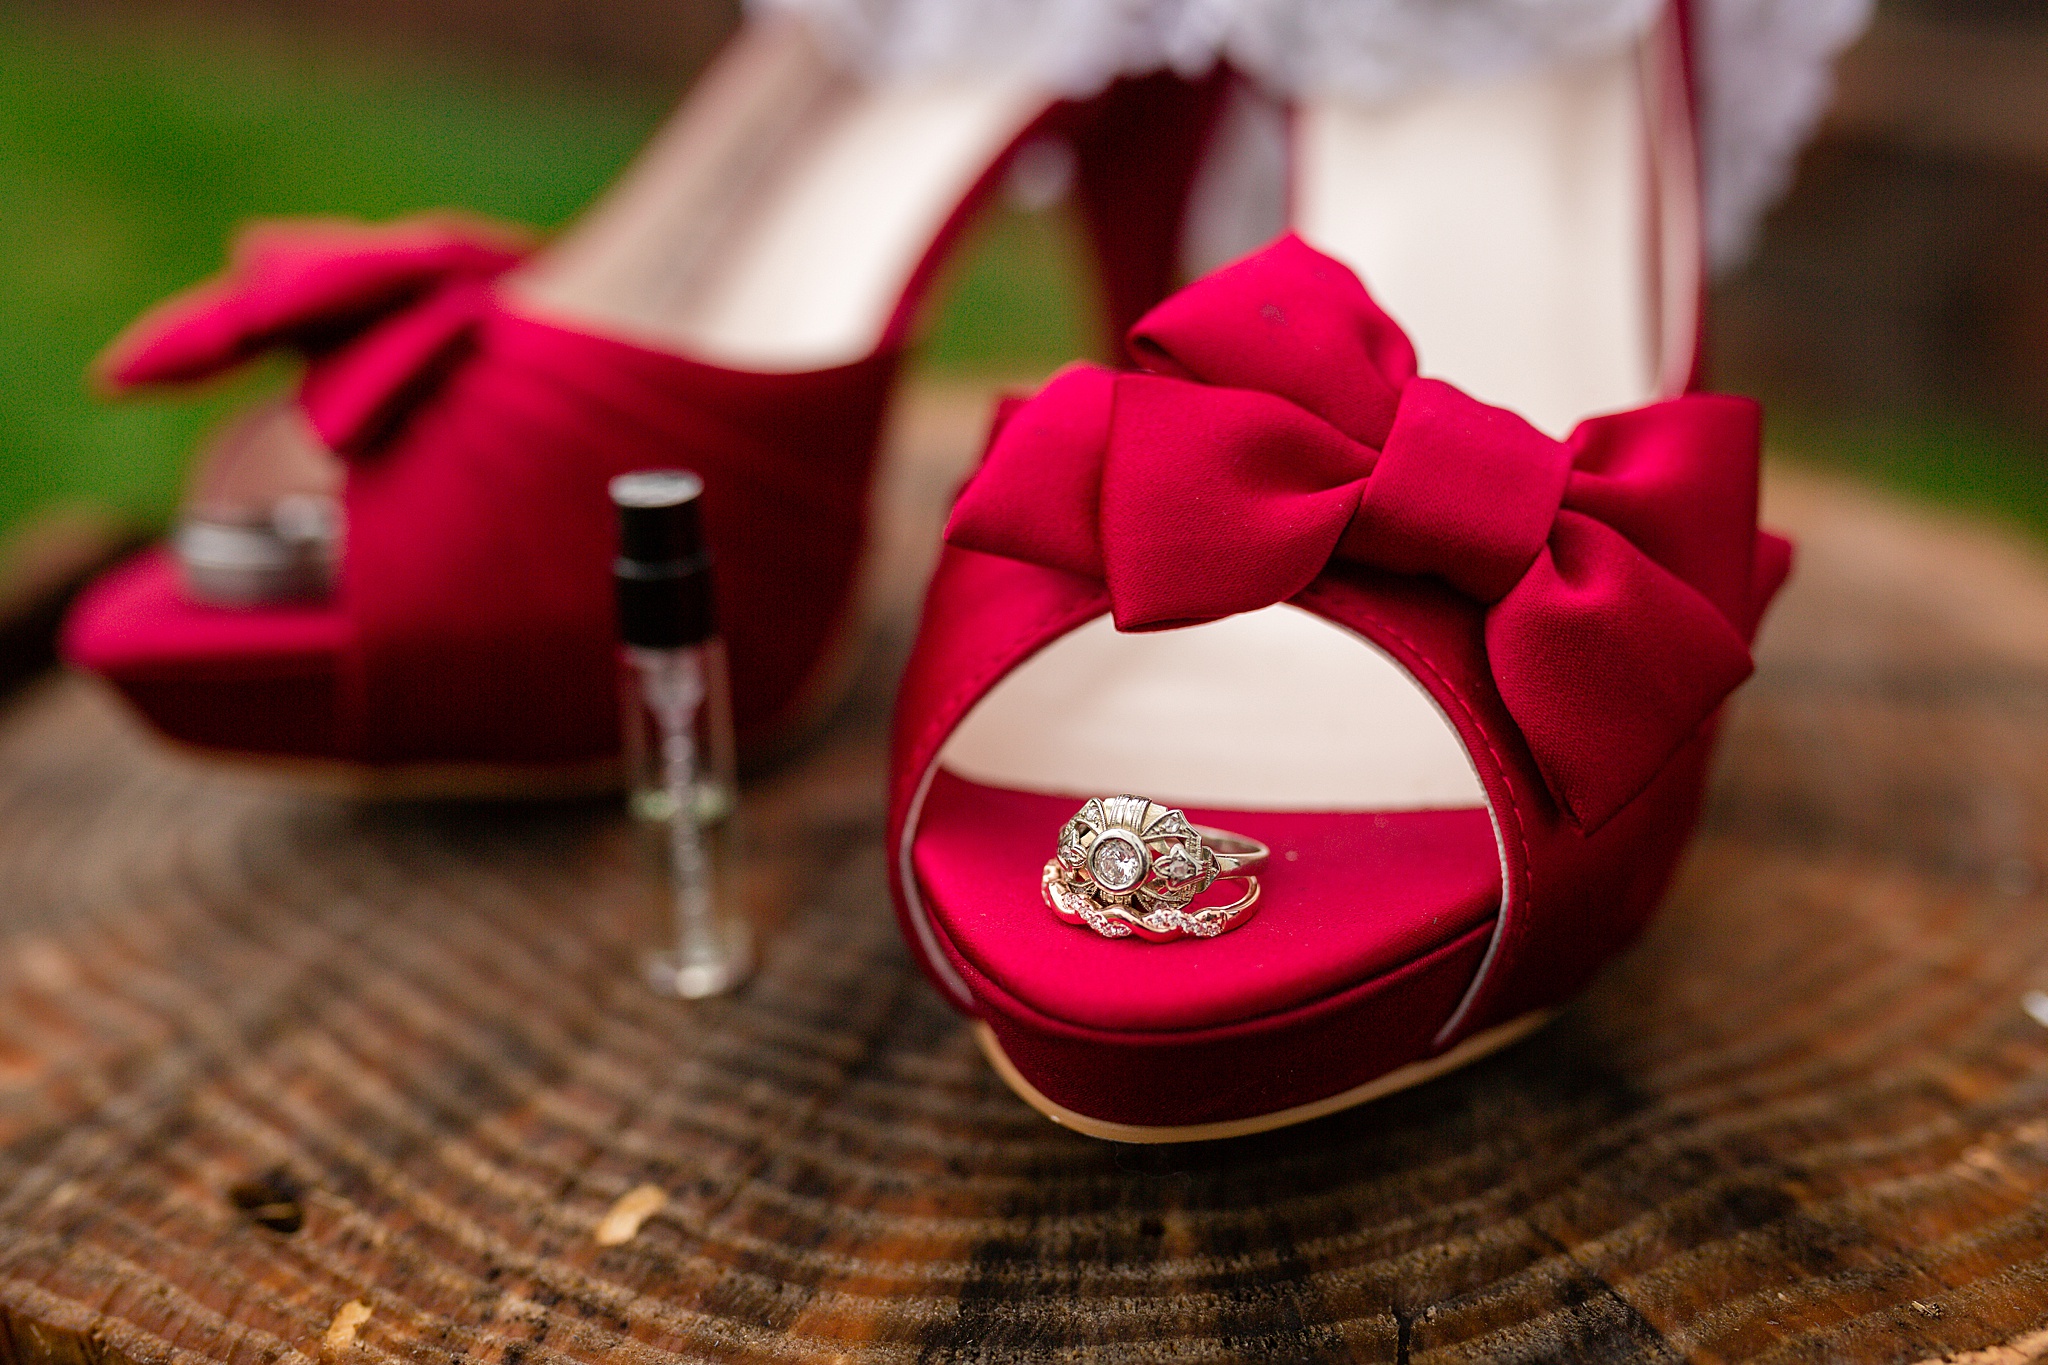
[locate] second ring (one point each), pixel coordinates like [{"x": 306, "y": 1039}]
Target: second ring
[{"x": 1126, "y": 866}]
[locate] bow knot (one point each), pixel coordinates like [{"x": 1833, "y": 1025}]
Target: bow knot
[
  {"x": 377, "y": 312},
  {"x": 1279, "y": 425},
  {"x": 1460, "y": 490}
]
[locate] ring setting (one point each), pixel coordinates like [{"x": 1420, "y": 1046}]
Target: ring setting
[{"x": 1130, "y": 867}]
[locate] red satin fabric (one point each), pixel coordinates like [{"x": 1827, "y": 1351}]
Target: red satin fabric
[
  {"x": 1433, "y": 878},
  {"x": 309, "y": 285},
  {"x": 1570, "y": 899},
  {"x": 473, "y": 618},
  {"x": 1573, "y": 893},
  {"x": 1282, "y": 426}
]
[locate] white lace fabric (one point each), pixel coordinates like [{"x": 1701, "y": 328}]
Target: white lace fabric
[
  {"x": 1765, "y": 79},
  {"x": 1764, "y": 63}
]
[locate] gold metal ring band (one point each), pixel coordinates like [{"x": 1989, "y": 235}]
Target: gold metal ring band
[{"x": 1127, "y": 867}]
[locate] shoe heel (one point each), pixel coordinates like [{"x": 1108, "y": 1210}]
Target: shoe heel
[{"x": 1136, "y": 160}]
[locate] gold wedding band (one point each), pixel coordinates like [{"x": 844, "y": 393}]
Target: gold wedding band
[{"x": 1129, "y": 867}]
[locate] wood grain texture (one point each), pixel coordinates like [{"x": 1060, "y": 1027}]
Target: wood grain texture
[{"x": 1805, "y": 1120}]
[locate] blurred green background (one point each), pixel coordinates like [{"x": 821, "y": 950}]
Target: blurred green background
[
  {"x": 1896, "y": 317},
  {"x": 133, "y": 145}
]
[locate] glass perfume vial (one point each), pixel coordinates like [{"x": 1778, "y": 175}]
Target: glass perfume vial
[{"x": 683, "y": 790}]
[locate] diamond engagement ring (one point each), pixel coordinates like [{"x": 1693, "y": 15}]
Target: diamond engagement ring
[{"x": 1131, "y": 867}]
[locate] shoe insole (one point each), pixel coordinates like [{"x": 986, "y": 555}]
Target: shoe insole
[
  {"x": 264, "y": 453},
  {"x": 776, "y": 223},
  {"x": 1507, "y": 227},
  {"x": 1346, "y": 897}
]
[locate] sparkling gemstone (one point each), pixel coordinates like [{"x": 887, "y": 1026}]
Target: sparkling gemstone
[
  {"x": 1118, "y": 864},
  {"x": 1177, "y": 866}
]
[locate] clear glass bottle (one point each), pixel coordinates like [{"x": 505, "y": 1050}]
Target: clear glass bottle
[{"x": 676, "y": 702}]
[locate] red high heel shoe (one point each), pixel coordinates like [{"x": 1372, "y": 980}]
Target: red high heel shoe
[
  {"x": 1276, "y": 625},
  {"x": 736, "y": 306}
]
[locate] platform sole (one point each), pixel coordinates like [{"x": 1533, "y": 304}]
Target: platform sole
[{"x": 1401, "y": 1078}]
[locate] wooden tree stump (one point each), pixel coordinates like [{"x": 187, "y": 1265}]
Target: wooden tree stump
[{"x": 266, "y": 1055}]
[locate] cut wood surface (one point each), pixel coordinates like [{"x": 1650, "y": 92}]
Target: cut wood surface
[{"x": 284, "y": 1077}]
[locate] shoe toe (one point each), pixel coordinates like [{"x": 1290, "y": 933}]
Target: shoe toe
[
  {"x": 1368, "y": 932},
  {"x": 266, "y": 680}
]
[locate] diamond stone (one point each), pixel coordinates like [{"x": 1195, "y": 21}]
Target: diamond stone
[
  {"x": 1117, "y": 863},
  {"x": 1178, "y": 866},
  {"x": 1070, "y": 847}
]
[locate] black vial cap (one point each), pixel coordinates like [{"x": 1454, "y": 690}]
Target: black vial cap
[{"x": 663, "y": 572}]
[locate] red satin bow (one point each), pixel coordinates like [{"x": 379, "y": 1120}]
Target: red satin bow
[
  {"x": 378, "y": 312},
  {"x": 1282, "y": 425}
]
